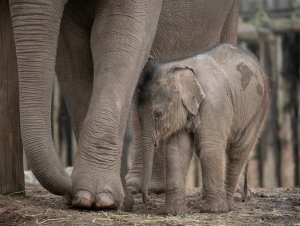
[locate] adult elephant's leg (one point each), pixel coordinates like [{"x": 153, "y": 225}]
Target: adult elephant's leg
[
  {"x": 74, "y": 66},
  {"x": 229, "y": 31},
  {"x": 134, "y": 177},
  {"x": 36, "y": 27},
  {"x": 122, "y": 35},
  {"x": 74, "y": 63}
]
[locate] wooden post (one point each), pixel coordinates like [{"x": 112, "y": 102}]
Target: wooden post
[
  {"x": 11, "y": 151},
  {"x": 268, "y": 148},
  {"x": 287, "y": 107}
]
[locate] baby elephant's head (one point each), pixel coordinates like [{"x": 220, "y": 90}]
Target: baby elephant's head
[{"x": 168, "y": 95}]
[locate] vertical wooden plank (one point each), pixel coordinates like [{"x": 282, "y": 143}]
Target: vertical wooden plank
[
  {"x": 295, "y": 3},
  {"x": 3, "y": 100},
  {"x": 290, "y": 46},
  {"x": 11, "y": 151},
  {"x": 268, "y": 150},
  {"x": 285, "y": 131},
  {"x": 258, "y": 4},
  {"x": 297, "y": 108},
  {"x": 270, "y": 5},
  {"x": 283, "y": 5},
  {"x": 298, "y": 126},
  {"x": 244, "y": 7}
]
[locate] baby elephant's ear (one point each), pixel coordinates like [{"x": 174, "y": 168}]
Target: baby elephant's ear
[{"x": 191, "y": 92}]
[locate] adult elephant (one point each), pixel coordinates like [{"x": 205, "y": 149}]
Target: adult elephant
[{"x": 98, "y": 49}]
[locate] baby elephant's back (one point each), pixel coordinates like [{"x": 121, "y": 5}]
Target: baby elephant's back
[
  {"x": 253, "y": 86},
  {"x": 247, "y": 82}
]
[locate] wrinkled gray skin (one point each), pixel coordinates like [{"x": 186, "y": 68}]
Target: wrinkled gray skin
[
  {"x": 98, "y": 50},
  {"x": 214, "y": 102}
]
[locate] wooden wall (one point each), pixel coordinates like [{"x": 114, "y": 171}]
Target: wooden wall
[
  {"x": 274, "y": 8},
  {"x": 275, "y": 162},
  {"x": 11, "y": 164}
]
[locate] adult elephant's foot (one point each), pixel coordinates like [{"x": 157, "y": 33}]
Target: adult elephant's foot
[
  {"x": 134, "y": 184},
  {"x": 67, "y": 200},
  {"x": 85, "y": 199},
  {"x": 135, "y": 175},
  {"x": 103, "y": 191},
  {"x": 214, "y": 207},
  {"x": 133, "y": 189},
  {"x": 80, "y": 199},
  {"x": 175, "y": 207}
]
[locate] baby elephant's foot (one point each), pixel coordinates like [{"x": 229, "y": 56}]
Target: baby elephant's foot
[
  {"x": 175, "y": 207},
  {"x": 215, "y": 208},
  {"x": 238, "y": 197},
  {"x": 134, "y": 190}
]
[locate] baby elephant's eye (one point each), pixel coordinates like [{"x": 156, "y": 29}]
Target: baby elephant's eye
[{"x": 158, "y": 114}]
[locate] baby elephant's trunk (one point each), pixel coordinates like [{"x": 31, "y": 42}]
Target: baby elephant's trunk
[{"x": 148, "y": 153}]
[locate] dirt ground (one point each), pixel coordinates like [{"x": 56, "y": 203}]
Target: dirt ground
[{"x": 278, "y": 206}]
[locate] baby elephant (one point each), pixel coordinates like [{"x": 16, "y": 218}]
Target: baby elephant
[{"x": 215, "y": 103}]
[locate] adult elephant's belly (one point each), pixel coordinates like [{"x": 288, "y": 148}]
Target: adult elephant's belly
[{"x": 188, "y": 27}]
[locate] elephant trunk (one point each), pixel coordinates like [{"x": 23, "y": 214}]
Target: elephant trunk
[
  {"x": 148, "y": 154},
  {"x": 36, "y": 28}
]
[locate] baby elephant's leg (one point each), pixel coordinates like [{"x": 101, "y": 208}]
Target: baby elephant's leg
[
  {"x": 237, "y": 157},
  {"x": 179, "y": 152},
  {"x": 212, "y": 159}
]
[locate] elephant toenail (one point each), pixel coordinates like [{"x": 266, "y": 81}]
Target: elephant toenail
[
  {"x": 82, "y": 199},
  {"x": 104, "y": 200},
  {"x": 67, "y": 200},
  {"x": 224, "y": 210}
]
